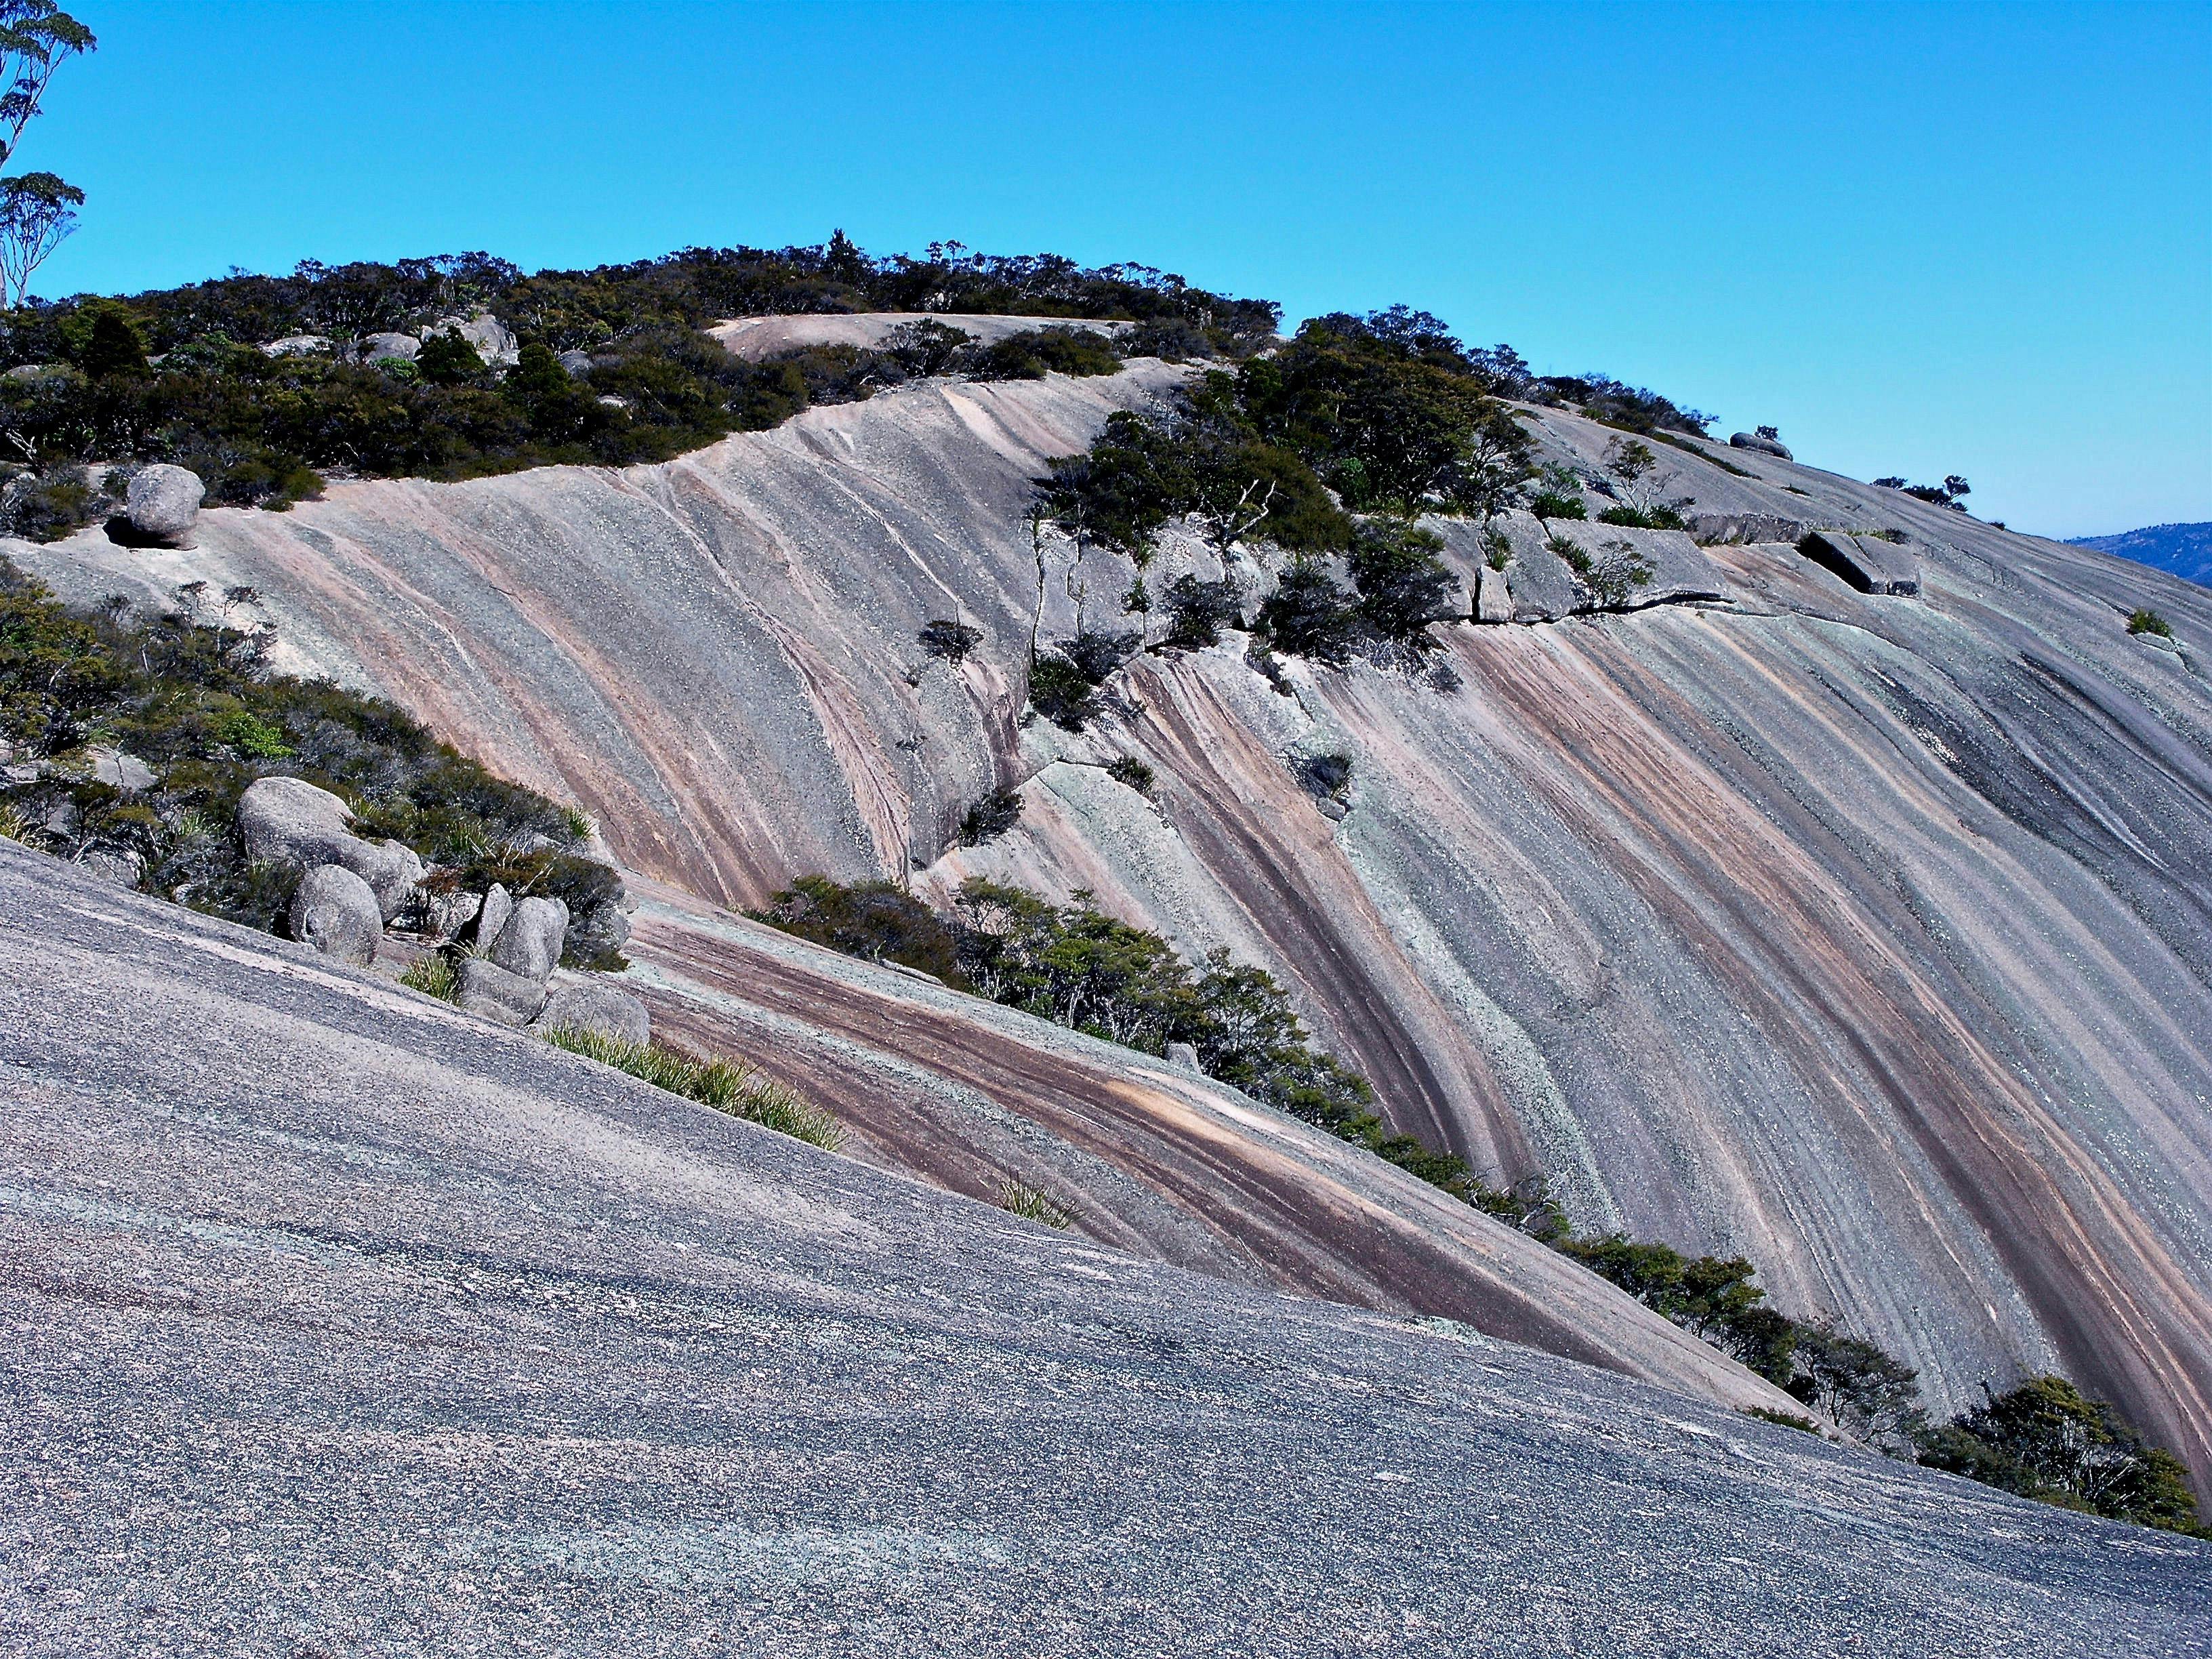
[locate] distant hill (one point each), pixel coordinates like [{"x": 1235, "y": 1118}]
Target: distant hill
[{"x": 2183, "y": 548}]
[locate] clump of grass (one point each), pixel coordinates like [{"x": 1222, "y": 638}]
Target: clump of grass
[
  {"x": 2149, "y": 622},
  {"x": 1020, "y": 1198},
  {"x": 433, "y": 976},
  {"x": 727, "y": 1086},
  {"x": 1787, "y": 1419}
]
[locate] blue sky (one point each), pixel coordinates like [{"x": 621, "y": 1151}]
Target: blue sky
[{"x": 1920, "y": 240}]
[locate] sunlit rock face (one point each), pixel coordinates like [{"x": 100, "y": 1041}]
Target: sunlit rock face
[{"x": 1868, "y": 935}]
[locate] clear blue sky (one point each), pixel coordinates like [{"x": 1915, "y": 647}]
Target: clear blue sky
[{"x": 1918, "y": 238}]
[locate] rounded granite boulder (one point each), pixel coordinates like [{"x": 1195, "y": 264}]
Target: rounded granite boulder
[
  {"x": 163, "y": 501},
  {"x": 334, "y": 910}
]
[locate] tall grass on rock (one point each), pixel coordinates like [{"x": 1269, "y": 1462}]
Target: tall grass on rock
[{"x": 727, "y": 1086}]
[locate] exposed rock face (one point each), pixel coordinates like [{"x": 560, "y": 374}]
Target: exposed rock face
[
  {"x": 529, "y": 941},
  {"x": 1867, "y": 562},
  {"x": 498, "y": 905},
  {"x": 1709, "y": 528},
  {"x": 334, "y": 910},
  {"x": 582, "y": 1006},
  {"x": 163, "y": 502},
  {"x": 1764, "y": 444},
  {"x": 119, "y": 770},
  {"x": 1866, "y": 938},
  {"x": 295, "y": 822},
  {"x": 376, "y": 347},
  {"x": 756, "y": 337},
  {"x": 494, "y": 341},
  {"x": 299, "y": 345},
  {"x": 496, "y": 993},
  {"x": 249, "y": 1311}
]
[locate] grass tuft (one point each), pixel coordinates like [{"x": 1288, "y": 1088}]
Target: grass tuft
[
  {"x": 1020, "y": 1198},
  {"x": 433, "y": 976},
  {"x": 727, "y": 1086}
]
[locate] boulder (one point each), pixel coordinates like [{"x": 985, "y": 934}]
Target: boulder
[
  {"x": 118, "y": 869},
  {"x": 334, "y": 910},
  {"x": 1677, "y": 567},
  {"x": 529, "y": 944},
  {"x": 1542, "y": 586},
  {"x": 1184, "y": 1055},
  {"x": 576, "y": 363},
  {"x": 494, "y": 344},
  {"x": 599, "y": 932},
  {"x": 163, "y": 502},
  {"x": 488, "y": 990},
  {"x": 1764, "y": 446},
  {"x": 291, "y": 821},
  {"x": 442, "y": 914},
  {"x": 1867, "y": 562},
  {"x": 378, "y": 346},
  {"x": 120, "y": 771},
  {"x": 298, "y": 345},
  {"x": 1494, "y": 603},
  {"x": 599, "y": 1009},
  {"x": 498, "y": 905}
]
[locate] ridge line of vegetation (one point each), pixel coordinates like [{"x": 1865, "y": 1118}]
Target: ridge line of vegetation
[
  {"x": 266, "y": 386},
  {"x": 1079, "y": 967}
]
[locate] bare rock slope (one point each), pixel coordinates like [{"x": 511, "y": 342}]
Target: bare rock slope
[
  {"x": 1867, "y": 934},
  {"x": 338, "y": 1321}
]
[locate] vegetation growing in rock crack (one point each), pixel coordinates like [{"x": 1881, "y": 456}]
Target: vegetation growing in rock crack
[
  {"x": 727, "y": 1086},
  {"x": 1079, "y": 967},
  {"x": 2144, "y": 621},
  {"x": 1032, "y": 1204},
  {"x": 990, "y": 817},
  {"x": 188, "y": 693}
]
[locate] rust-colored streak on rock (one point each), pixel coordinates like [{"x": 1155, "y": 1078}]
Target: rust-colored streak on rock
[{"x": 1289, "y": 1206}]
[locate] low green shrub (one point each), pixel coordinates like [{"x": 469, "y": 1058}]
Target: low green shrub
[
  {"x": 1130, "y": 770},
  {"x": 727, "y": 1086},
  {"x": 990, "y": 817},
  {"x": 2149, "y": 622}
]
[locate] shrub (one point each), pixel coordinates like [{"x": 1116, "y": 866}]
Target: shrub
[
  {"x": 1097, "y": 655},
  {"x": 1326, "y": 775},
  {"x": 990, "y": 817},
  {"x": 1402, "y": 584},
  {"x": 1634, "y": 518},
  {"x": 1033, "y": 355},
  {"x": 195, "y": 702},
  {"x": 951, "y": 640},
  {"x": 1545, "y": 505},
  {"x": 2047, "y": 1440},
  {"x": 2149, "y": 622},
  {"x": 1308, "y": 615},
  {"x": 45, "y": 506},
  {"x": 1061, "y": 692},
  {"x": 1198, "y": 611},
  {"x": 1784, "y": 1419},
  {"x": 1130, "y": 770},
  {"x": 447, "y": 359},
  {"x": 1031, "y": 1204},
  {"x": 873, "y": 920}
]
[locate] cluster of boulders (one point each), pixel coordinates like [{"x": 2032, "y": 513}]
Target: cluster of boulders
[
  {"x": 494, "y": 341},
  {"x": 352, "y": 889}
]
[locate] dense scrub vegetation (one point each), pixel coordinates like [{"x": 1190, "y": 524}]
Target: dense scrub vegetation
[
  {"x": 1079, "y": 967},
  {"x": 1326, "y": 450},
  {"x": 188, "y": 693},
  {"x": 613, "y": 367}
]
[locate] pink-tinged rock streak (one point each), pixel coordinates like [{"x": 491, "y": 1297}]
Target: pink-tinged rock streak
[{"x": 1868, "y": 936}]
